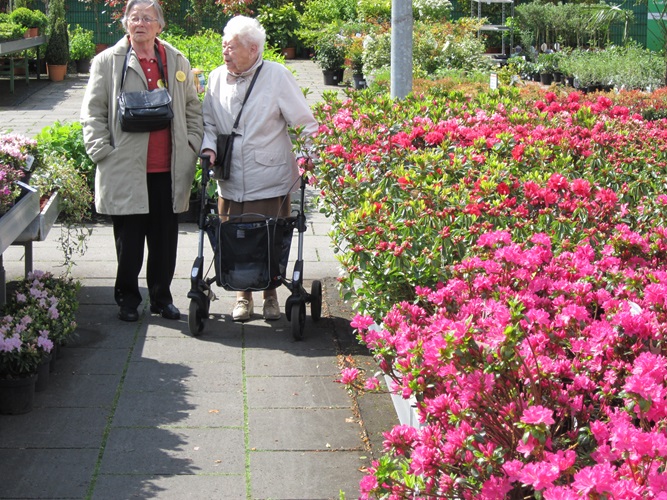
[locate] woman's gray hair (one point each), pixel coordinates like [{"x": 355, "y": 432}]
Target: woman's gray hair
[
  {"x": 247, "y": 31},
  {"x": 144, "y": 3}
]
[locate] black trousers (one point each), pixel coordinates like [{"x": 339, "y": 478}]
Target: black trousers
[{"x": 158, "y": 230}]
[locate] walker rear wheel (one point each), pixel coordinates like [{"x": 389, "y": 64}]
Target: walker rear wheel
[{"x": 316, "y": 300}]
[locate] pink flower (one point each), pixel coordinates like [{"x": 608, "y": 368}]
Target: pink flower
[
  {"x": 372, "y": 384},
  {"x": 348, "y": 375},
  {"x": 539, "y": 475},
  {"x": 361, "y": 322},
  {"x": 536, "y": 415}
]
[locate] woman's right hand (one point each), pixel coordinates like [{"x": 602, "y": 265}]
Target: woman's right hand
[{"x": 211, "y": 155}]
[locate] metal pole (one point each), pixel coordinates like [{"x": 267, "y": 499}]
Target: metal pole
[{"x": 401, "y": 48}]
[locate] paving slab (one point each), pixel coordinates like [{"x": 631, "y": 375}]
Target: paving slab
[
  {"x": 46, "y": 472},
  {"x": 295, "y": 392},
  {"x": 170, "y": 487},
  {"x": 210, "y": 410},
  {"x": 311, "y": 475},
  {"x": 174, "y": 451},
  {"x": 303, "y": 429},
  {"x": 59, "y": 427}
]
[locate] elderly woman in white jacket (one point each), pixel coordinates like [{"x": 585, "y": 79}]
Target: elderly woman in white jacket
[{"x": 264, "y": 169}]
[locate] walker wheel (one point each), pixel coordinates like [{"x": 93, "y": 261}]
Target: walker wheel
[
  {"x": 316, "y": 300},
  {"x": 298, "y": 319},
  {"x": 196, "y": 318}
]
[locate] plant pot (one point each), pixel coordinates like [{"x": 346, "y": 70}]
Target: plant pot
[
  {"x": 83, "y": 66},
  {"x": 17, "y": 395},
  {"x": 359, "y": 81},
  {"x": 289, "y": 52},
  {"x": 31, "y": 33},
  {"x": 332, "y": 77},
  {"x": 546, "y": 78},
  {"x": 99, "y": 47},
  {"x": 558, "y": 77},
  {"x": 56, "y": 72}
]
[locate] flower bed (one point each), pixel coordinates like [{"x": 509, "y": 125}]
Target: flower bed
[{"x": 514, "y": 251}]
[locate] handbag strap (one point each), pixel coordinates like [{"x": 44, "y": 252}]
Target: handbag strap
[
  {"x": 159, "y": 64},
  {"x": 247, "y": 94}
]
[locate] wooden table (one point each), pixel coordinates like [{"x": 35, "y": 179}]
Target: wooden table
[{"x": 22, "y": 45}]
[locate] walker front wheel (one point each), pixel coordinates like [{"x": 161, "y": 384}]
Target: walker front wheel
[
  {"x": 196, "y": 318},
  {"x": 298, "y": 319}
]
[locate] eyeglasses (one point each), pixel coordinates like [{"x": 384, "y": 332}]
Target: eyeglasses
[{"x": 143, "y": 19}]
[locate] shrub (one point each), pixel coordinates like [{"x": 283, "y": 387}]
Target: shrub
[
  {"x": 330, "y": 52},
  {"x": 81, "y": 44},
  {"x": 57, "y": 48},
  {"x": 11, "y": 31},
  {"x": 23, "y": 16}
]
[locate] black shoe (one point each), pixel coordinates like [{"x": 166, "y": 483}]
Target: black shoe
[
  {"x": 128, "y": 314},
  {"x": 168, "y": 312}
]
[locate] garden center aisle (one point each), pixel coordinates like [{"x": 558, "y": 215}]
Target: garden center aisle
[{"x": 145, "y": 410}]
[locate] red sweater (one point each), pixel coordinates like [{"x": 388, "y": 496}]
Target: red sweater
[{"x": 159, "y": 142}]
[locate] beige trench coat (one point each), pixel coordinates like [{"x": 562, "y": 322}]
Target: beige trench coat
[{"x": 120, "y": 179}]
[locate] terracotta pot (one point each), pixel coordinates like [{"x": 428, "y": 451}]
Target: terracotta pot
[
  {"x": 56, "y": 72},
  {"x": 99, "y": 47},
  {"x": 289, "y": 52}
]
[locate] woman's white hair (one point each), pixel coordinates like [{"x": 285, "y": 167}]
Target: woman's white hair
[{"x": 247, "y": 31}]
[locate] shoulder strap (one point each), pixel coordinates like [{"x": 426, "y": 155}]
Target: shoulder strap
[
  {"x": 247, "y": 94},
  {"x": 159, "y": 63}
]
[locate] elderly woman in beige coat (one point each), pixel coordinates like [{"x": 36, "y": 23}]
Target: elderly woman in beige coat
[
  {"x": 264, "y": 170},
  {"x": 143, "y": 179}
]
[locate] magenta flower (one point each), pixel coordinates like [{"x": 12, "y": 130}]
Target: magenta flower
[
  {"x": 537, "y": 415},
  {"x": 349, "y": 375}
]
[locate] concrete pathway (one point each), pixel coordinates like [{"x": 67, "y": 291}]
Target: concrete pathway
[{"x": 144, "y": 410}]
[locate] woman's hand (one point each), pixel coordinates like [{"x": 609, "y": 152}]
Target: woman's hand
[{"x": 211, "y": 155}]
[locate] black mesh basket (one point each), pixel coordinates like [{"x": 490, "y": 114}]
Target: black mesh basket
[{"x": 251, "y": 256}]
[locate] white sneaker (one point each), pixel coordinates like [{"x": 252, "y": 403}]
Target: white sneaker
[
  {"x": 242, "y": 310},
  {"x": 271, "y": 309}
]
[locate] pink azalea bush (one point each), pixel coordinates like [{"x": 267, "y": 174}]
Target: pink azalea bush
[
  {"x": 17, "y": 154},
  {"x": 536, "y": 375},
  {"x": 513, "y": 252}
]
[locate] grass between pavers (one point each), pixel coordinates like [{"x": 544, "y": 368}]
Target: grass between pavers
[{"x": 246, "y": 426}]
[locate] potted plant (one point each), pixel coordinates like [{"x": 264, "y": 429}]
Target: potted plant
[
  {"x": 81, "y": 48},
  {"x": 547, "y": 65},
  {"x": 355, "y": 55},
  {"x": 281, "y": 24},
  {"x": 39, "y": 315},
  {"x": 40, "y": 21},
  {"x": 57, "y": 48},
  {"x": 330, "y": 56},
  {"x": 23, "y": 16}
]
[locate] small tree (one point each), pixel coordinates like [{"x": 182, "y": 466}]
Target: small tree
[{"x": 57, "y": 48}]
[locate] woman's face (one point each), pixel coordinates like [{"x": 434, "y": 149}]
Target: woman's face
[
  {"x": 238, "y": 57},
  {"x": 142, "y": 24}
]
